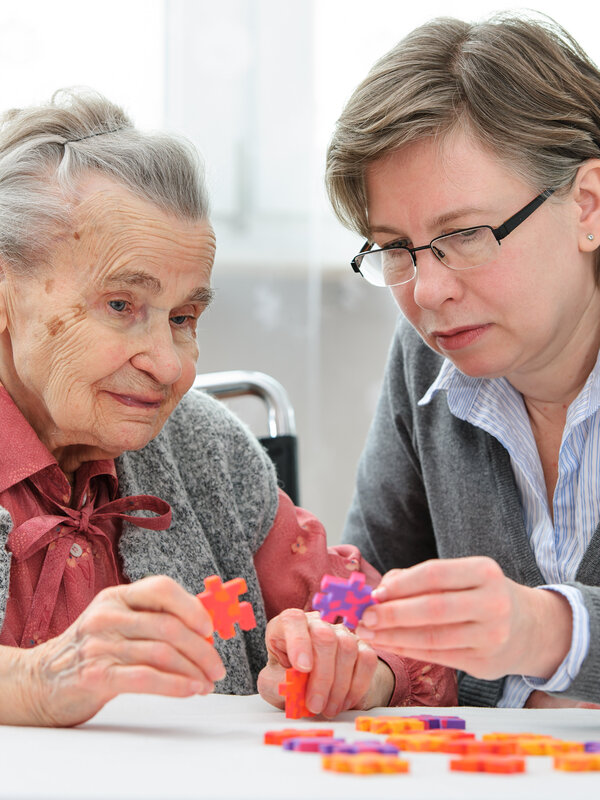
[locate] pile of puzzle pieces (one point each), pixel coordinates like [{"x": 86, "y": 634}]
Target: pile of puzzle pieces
[{"x": 498, "y": 753}]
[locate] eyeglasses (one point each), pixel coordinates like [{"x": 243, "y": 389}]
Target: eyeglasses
[{"x": 396, "y": 263}]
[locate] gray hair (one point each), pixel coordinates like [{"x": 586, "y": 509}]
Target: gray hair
[
  {"x": 46, "y": 151},
  {"x": 523, "y": 87}
]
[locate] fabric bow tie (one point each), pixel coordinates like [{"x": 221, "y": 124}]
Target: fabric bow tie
[
  {"x": 60, "y": 529},
  {"x": 38, "y": 532}
]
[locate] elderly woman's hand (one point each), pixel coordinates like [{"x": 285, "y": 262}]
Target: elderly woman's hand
[
  {"x": 539, "y": 699},
  {"x": 465, "y": 613},
  {"x": 345, "y": 672},
  {"x": 144, "y": 637}
]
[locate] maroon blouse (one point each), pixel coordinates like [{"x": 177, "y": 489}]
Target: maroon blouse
[{"x": 63, "y": 541}]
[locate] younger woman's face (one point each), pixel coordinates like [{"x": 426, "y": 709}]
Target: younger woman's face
[{"x": 531, "y": 307}]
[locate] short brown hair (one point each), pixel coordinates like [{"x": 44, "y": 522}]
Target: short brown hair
[{"x": 522, "y": 86}]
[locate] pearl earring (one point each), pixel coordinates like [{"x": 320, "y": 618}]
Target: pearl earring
[{"x": 590, "y": 236}]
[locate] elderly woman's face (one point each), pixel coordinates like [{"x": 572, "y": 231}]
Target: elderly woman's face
[{"x": 98, "y": 348}]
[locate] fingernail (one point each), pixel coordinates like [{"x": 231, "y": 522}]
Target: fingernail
[
  {"x": 369, "y": 618},
  {"x": 199, "y": 687},
  {"x": 365, "y": 633},
  {"x": 316, "y": 704},
  {"x": 304, "y": 662}
]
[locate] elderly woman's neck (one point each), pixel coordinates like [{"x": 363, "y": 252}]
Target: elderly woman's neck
[{"x": 71, "y": 458}]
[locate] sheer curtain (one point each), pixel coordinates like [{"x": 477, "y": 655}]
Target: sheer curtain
[{"x": 242, "y": 82}]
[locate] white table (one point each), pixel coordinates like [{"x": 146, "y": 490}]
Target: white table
[{"x": 147, "y": 747}]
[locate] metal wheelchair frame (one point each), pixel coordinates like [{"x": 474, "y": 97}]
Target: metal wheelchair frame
[{"x": 281, "y": 443}]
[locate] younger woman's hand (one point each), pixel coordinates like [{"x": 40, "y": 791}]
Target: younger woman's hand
[{"x": 466, "y": 614}]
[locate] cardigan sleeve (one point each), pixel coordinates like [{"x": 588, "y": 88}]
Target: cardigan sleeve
[
  {"x": 586, "y": 684},
  {"x": 290, "y": 564}
]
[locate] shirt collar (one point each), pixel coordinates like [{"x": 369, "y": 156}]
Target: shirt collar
[
  {"x": 463, "y": 390},
  {"x": 22, "y": 454}
]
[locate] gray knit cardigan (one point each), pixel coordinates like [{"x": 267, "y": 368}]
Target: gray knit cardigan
[
  {"x": 222, "y": 489},
  {"x": 430, "y": 485}
]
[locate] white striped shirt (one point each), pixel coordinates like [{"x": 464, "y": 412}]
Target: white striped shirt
[{"x": 493, "y": 405}]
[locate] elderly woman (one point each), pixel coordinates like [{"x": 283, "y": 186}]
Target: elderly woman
[
  {"x": 469, "y": 159},
  {"x": 110, "y": 472}
]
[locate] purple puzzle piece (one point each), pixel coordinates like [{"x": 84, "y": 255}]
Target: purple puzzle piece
[
  {"x": 342, "y": 597},
  {"x": 366, "y": 746},
  {"x": 309, "y": 744},
  {"x": 592, "y": 747},
  {"x": 432, "y": 722},
  {"x": 454, "y": 722}
]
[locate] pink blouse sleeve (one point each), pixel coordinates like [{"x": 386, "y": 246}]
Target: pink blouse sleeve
[{"x": 290, "y": 564}]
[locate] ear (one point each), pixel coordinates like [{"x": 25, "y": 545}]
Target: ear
[{"x": 586, "y": 193}]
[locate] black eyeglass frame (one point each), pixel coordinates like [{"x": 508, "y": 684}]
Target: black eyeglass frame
[{"x": 501, "y": 232}]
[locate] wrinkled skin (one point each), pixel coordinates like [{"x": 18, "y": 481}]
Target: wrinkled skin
[
  {"x": 145, "y": 637},
  {"x": 96, "y": 349}
]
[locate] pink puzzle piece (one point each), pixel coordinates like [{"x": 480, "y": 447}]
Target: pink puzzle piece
[
  {"x": 347, "y": 598},
  {"x": 221, "y": 600}
]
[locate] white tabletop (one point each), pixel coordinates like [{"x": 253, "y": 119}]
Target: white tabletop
[{"x": 147, "y": 747}]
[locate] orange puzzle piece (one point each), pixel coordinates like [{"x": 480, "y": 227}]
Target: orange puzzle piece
[
  {"x": 221, "y": 600},
  {"x": 365, "y": 723},
  {"x": 438, "y": 741},
  {"x": 534, "y": 744},
  {"x": 578, "y": 762},
  {"x": 497, "y": 764},
  {"x": 506, "y": 747},
  {"x": 500, "y": 737},
  {"x": 398, "y": 725},
  {"x": 560, "y": 746},
  {"x": 294, "y": 691},
  {"x": 364, "y": 763},
  {"x": 279, "y": 737}
]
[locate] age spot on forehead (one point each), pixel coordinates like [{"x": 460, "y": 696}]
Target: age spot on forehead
[
  {"x": 76, "y": 235},
  {"x": 49, "y": 285}
]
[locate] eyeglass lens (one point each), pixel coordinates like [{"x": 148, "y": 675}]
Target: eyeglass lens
[{"x": 461, "y": 250}]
